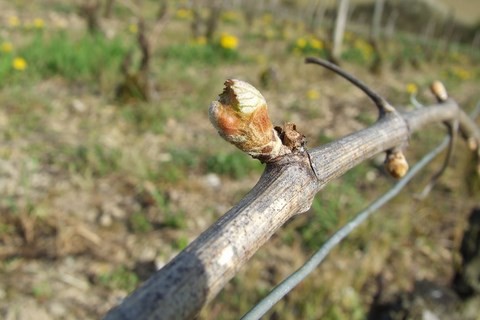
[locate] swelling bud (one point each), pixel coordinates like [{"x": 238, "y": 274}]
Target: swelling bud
[
  {"x": 240, "y": 116},
  {"x": 396, "y": 164}
]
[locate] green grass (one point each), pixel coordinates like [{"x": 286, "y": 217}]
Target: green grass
[
  {"x": 42, "y": 290},
  {"x": 236, "y": 164},
  {"x": 200, "y": 54},
  {"x": 80, "y": 59},
  {"x": 90, "y": 159},
  {"x": 119, "y": 278},
  {"x": 146, "y": 117},
  {"x": 332, "y": 208},
  {"x": 139, "y": 223}
]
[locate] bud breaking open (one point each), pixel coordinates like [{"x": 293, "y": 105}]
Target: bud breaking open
[{"x": 240, "y": 115}]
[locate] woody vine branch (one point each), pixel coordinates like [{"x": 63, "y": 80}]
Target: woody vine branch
[{"x": 291, "y": 179}]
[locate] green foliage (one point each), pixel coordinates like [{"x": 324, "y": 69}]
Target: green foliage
[
  {"x": 359, "y": 51},
  {"x": 186, "y": 158},
  {"x": 181, "y": 243},
  {"x": 333, "y": 208},
  {"x": 193, "y": 53},
  {"x": 139, "y": 223},
  {"x": 6, "y": 229},
  {"x": 119, "y": 278},
  {"x": 235, "y": 165},
  {"x": 366, "y": 118},
  {"x": 85, "y": 58},
  {"x": 231, "y": 17},
  {"x": 322, "y": 224},
  {"x": 42, "y": 290},
  {"x": 92, "y": 158},
  {"x": 175, "y": 220},
  {"x": 308, "y": 46},
  {"x": 144, "y": 117}
]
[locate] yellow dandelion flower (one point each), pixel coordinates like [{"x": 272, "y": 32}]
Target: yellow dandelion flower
[
  {"x": 267, "y": 18},
  {"x": 133, "y": 28},
  {"x": 301, "y": 43},
  {"x": 269, "y": 33},
  {"x": 6, "y": 47},
  {"x": 230, "y": 16},
  {"x": 13, "y": 21},
  {"x": 411, "y": 88},
  {"x": 38, "y": 23},
  {"x": 462, "y": 74},
  {"x": 316, "y": 44},
  {"x": 228, "y": 42},
  {"x": 183, "y": 14},
  {"x": 19, "y": 64},
  {"x": 313, "y": 94},
  {"x": 365, "y": 48},
  {"x": 201, "y": 40}
]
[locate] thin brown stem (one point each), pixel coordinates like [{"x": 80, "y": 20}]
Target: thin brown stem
[{"x": 382, "y": 104}]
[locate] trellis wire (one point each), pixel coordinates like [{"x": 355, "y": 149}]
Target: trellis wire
[{"x": 295, "y": 278}]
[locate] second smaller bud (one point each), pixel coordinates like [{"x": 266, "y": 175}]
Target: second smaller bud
[{"x": 396, "y": 164}]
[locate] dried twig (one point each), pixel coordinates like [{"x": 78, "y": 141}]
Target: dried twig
[{"x": 382, "y": 104}]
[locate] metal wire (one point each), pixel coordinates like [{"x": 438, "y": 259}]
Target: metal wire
[{"x": 295, "y": 278}]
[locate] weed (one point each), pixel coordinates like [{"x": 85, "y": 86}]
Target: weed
[
  {"x": 181, "y": 243},
  {"x": 119, "y": 278},
  {"x": 175, "y": 220},
  {"x": 10, "y": 205},
  {"x": 172, "y": 219},
  {"x": 92, "y": 158},
  {"x": 323, "y": 223},
  {"x": 145, "y": 117},
  {"x": 139, "y": 223},
  {"x": 87, "y": 58},
  {"x": 202, "y": 54},
  {"x": 186, "y": 158},
  {"x": 309, "y": 46},
  {"x": 235, "y": 164},
  {"x": 366, "y": 118},
  {"x": 332, "y": 208},
  {"x": 42, "y": 291},
  {"x": 6, "y": 229},
  {"x": 360, "y": 52},
  {"x": 169, "y": 172}
]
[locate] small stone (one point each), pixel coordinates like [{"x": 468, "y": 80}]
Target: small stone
[
  {"x": 113, "y": 210},
  {"x": 147, "y": 254},
  {"x": 78, "y": 106},
  {"x": 57, "y": 309},
  {"x": 371, "y": 175},
  {"x": 105, "y": 220},
  {"x": 212, "y": 180}
]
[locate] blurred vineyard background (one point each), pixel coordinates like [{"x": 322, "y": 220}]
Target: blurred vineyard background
[{"x": 109, "y": 165}]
